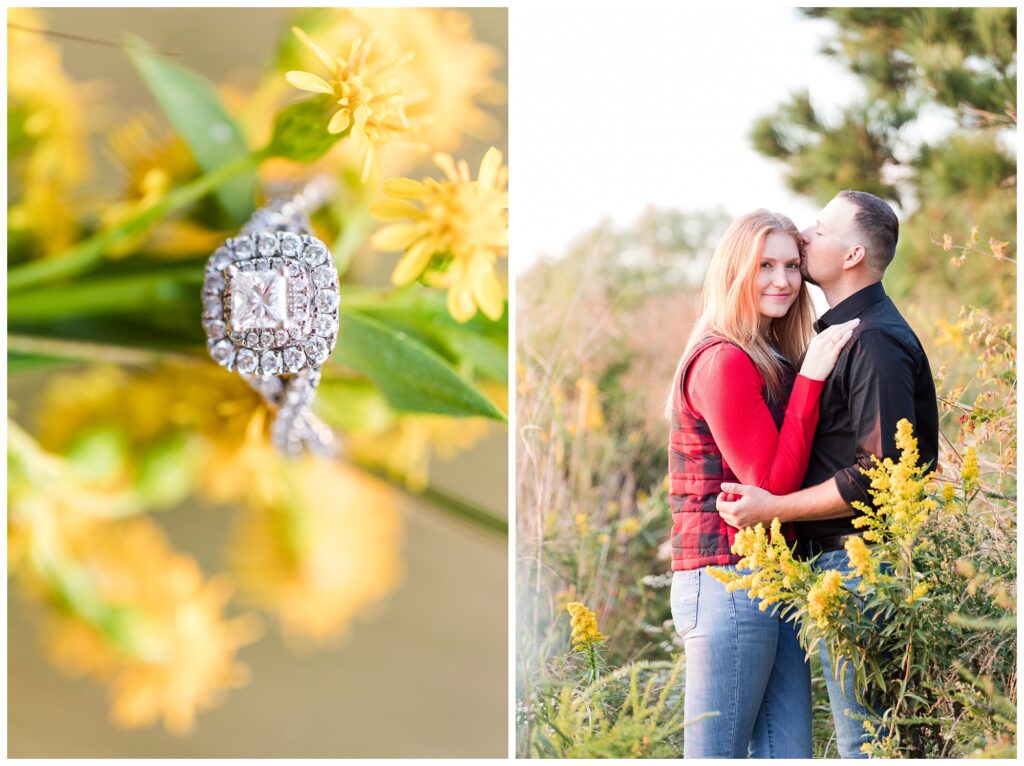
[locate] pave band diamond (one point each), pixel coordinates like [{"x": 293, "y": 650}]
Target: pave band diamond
[{"x": 270, "y": 311}]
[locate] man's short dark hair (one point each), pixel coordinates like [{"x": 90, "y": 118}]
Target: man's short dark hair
[{"x": 878, "y": 227}]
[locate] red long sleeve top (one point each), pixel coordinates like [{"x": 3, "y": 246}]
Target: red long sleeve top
[{"x": 725, "y": 388}]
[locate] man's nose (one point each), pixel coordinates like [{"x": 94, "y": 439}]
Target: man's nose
[{"x": 805, "y": 237}]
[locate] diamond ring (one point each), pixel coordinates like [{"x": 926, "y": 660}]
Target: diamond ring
[{"x": 270, "y": 311}]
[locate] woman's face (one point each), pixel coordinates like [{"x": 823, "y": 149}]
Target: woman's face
[{"x": 778, "y": 276}]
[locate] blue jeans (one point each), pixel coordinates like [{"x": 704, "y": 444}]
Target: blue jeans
[
  {"x": 847, "y": 713},
  {"x": 744, "y": 665}
]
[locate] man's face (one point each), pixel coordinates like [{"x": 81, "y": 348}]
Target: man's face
[{"x": 827, "y": 241}]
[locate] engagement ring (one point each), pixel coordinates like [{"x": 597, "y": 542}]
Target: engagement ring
[{"x": 270, "y": 311}]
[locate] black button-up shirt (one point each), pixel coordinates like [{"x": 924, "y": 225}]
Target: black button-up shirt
[{"x": 882, "y": 375}]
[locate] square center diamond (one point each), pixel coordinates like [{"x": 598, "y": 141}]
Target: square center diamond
[{"x": 259, "y": 300}]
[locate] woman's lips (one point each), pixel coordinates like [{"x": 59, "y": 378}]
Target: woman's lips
[{"x": 777, "y": 296}]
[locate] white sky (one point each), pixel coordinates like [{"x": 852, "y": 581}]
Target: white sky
[{"x": 615, "y": 110}]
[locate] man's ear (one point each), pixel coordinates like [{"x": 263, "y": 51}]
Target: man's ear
[{"x": 854, "y": 256}]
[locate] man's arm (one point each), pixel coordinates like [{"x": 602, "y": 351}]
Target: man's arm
[{"x": 754, "y": 505}]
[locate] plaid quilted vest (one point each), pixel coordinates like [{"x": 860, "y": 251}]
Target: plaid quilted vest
[{"x": 697, "y": 469}]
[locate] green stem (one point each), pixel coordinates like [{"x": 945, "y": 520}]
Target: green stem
[
  {"x": 109, "y": 295},
  {"x": 89, "y": 252},
  {"x": 449, "y": 505},
  {"x": 75, "y": 350}
]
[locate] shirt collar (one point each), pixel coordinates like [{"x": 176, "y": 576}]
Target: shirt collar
[{"x": 851, "y": 307}]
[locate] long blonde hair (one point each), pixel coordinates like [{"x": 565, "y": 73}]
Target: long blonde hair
[{"x": 729, "y": 302}]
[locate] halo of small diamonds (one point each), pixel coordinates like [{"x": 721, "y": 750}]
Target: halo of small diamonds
[{"x": 270, "y": 303}]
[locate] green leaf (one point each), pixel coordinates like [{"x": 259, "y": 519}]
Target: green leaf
[
  {"x": 412, "y": 377},
  {"x": 191, "y": 104},
  {"x": 480, "y": 344},
  {"x": 350, "y": 404},
  {"x": 300, "y": 130}
]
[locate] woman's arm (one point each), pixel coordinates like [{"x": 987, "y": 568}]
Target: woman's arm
[{"x": 725, "y": 388}]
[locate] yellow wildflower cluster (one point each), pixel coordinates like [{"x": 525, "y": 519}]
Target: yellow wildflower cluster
[
  {"x": 969, "y": 471},
  {"x": 370, "y": 99},
  {"x": 825, "y": 597},
  {"x": 585, "y": 633},
  {"x": 291, "y": 555},
  {"x": 406, "y": 448},
  {"x": 948, "y": 493},
  {"x": 767, "y": 570},
  {"x": 47, "y": 134},
  {"x": 864, "y": 566},
  {"x": 455, "y": 238},
  {"x": 589, "y": 416},
  {"x": 901, "y": 505},
  {"x": 142, "y": 618},
  {"x": 154, "y": 160},
  {"x": 449, "y": 74},
  {"x": 316, "y": 564}
]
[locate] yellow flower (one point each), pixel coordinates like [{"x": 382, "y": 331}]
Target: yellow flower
[
  {"x": 585, "y": 631},
  {"x": 154, "y": 161},
  {"x": 370, "y": 99},
  {"x": 825, "y": 597},
  {"x": 629, "y": 526},
  {"x": 919, "y": 590},
  {"x": 948, "y": 493},
  {"x": 176, "y": 652},
  {"x": 321, "y": 547},
  {"x": 969, "y": 471},
  {"x": 405, "y": 449},
  {"x": 456, "y": 236},
  {"x": 450, "y": 73},
  {"x": 860, "y": 559},
  {"x": 48, "y": 135},
  {"x": 589, "y": 404}
]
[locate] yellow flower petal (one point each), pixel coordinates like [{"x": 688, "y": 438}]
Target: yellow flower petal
[
  {"x": 369, "y": 164},
  {"x": 398, "y": 236},
  {"x": 339, "y": 122},
  {"x": 395, "y": 209},
  {"x": 413, "y": 262},
  {"x": 489, "y": 167},
  {"x": 488, "y": 293},
  {"x": 460, "y": 303},
  {"x": 319, "y": 52},
  {"x": 447, "y": 164},
  {"x": 404, "y": 188},
  {"x": 307, "y": 81}
]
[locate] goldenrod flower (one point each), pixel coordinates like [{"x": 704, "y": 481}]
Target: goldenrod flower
[
  {"x": 405, "y": 449},
  {"x": 825, "y": 597},
  {"x": 948, "y": 493},
  {"x": 47, "y": 114},
  {"x": 369, "y": 97},
  {"x": 863, "y": 564},
  {"x": 629, "y": 526},
  {"x": 585, "y": 633},
  {"x": 455, "y": 238},
  {"x": 449, "y": 75},
  {"x": 919, "y": 590},
  {"x": 969, "y": 471},
  {"x": 320, "y": 549},
  {"x": 176, "y": 653}
]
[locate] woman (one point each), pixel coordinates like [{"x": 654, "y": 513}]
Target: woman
[{"x": 740, "y": 412}]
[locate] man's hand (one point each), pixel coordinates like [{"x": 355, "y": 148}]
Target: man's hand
[{"x": 742, "y": 506}]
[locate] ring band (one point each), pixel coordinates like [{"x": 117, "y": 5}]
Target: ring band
[{"x": 270, "y": 312}]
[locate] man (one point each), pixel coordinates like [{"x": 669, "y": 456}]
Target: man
[{"x": 881, "y": 376}]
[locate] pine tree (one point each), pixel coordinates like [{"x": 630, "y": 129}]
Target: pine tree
[{"x": 917, "y": 66}]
